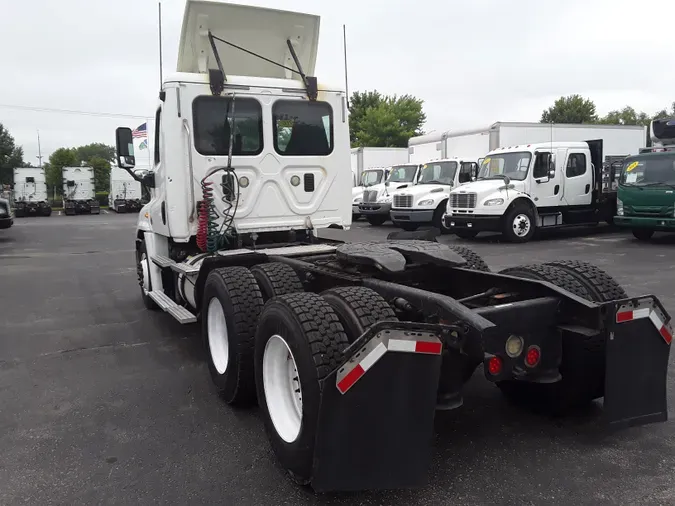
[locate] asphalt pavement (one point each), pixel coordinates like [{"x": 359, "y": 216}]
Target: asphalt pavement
[{"x": 104, "y": 402}]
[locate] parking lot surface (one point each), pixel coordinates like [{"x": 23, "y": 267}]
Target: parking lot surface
[{"x": 104, "y": 402}]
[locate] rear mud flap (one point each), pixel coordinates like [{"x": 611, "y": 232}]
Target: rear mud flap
[
  {"x": 638, "y": 348},
  {"x": 376, "y": 419}
]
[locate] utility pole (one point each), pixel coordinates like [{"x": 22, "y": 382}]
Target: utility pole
[{"x": 39, "y": 156}]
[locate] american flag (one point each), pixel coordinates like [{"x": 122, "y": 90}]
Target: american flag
[{"x": 141, "y": 131}]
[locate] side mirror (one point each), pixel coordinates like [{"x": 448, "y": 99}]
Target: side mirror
[{"x": 124, "y": 143}]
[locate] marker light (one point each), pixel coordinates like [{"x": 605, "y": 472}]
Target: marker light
[
  {"x": 295, "y": 180},
  {"x": 533, "y": 356},
  {"x": 495, "y": 365},
  {"x": 243, "y": 181},
  {"x": 514, "y": 346}
]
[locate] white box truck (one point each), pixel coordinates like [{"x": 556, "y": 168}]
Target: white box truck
[
  {"x": 30, "y": 192},
  {"x": 521, "y": 188},
  {"x": 79, "y": 191},
  {"x": 477, "y": 142},
  {"x": 369, "y": 168},
  {"x": 376, "y": 202},
  {"x": 125, "y": 192}
]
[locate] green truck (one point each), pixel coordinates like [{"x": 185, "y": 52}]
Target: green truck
[{"x": 646, "y": 194}]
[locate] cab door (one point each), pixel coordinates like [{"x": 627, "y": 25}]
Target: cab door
[
  {"x": 578, "y": 178},
  {"x": 546, "y": 179}
]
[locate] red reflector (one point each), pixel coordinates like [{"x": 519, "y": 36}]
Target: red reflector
[
  {"x": 427, "y": 347},
  {"x": 626, "y": 316},
  {"x": 665, "y": 333},
  {"x": 351, "y": 378},
  {"x": 533, "y": 356},
  {"x": 495, "y": 365}
]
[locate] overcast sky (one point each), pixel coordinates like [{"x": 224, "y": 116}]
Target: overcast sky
[{"x": 473, "y": 62}]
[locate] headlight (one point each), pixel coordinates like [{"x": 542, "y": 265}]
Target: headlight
[
  {"x": 619, "y": 207},
  {"x": 427, "y": 202},
  {"x": 493, "y": 202},
  {"x": 357, "y": 200},
  {"x": 3, "y": 211}
]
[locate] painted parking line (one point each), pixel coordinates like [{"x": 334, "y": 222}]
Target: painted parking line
[
  {"x": 105, "y": 211},
  {"x": 59, "y": 213}
]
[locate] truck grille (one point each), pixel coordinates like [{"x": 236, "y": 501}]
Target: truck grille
[
  {"x": 463, "y": 200},
  {"x": 370, "y": 196},
  {"x": 403, "y": 201}
]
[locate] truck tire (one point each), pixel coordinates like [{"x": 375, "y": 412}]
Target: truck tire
[
  {"x": 600, "y": 286},
  {"x": 143, "y": 272},
  {"x": 473, "y": 260},
  {"x": 299, "y": 342},
  {"x": 438, "y": 221},
  {"x": 276, "y": 278},
  {"x": 519, "y": 225},
  {"x": 47, "y": 211},
  {"x": 376, "y": 220},
  {"x": 643, "y": 234},
  {"x": 231, "y": 305},
  {"x": 357, "y": 308},
  {"x": 582, "y": 366}
]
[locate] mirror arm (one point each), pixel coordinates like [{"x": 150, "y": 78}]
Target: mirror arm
[{"x": 131, "y": 173}]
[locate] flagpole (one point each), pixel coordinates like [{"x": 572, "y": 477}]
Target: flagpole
[{"x": 147, "y": 142}]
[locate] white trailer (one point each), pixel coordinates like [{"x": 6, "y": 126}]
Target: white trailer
[
  {"x": 79, "y": 191},
  {"x": 30, "y": 192},
  {"x": 125, "y": 192},
  {"x": 365, "y": 158},
  {"x": 618, "y": 139}
]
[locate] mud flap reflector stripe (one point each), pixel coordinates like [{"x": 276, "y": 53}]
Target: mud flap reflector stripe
[
  {"x": 623, "y": 316},
  {"x": 375, "y": 349}
]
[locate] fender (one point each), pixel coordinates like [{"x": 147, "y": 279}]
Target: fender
[{"x": 524, "y": 199}]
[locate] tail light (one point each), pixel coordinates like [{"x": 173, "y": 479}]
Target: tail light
[
  {"x": 533, "y": 356},
  {"x": 495, "y": 365}
]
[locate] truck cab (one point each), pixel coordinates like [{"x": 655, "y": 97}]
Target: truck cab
[
  {"x": 30, "y": 192},
  {"x": 79, "y": 191},
  {"x": 425, "y": 202},
  {"x": 374, "y": 176},
  {"x": 646, "y": 195},
  {"x": 522, "y": 188},
  {"x": 376, "y": 203}
]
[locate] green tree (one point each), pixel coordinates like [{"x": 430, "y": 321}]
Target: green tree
[
  {"x": 626, "y": 116},
  {"x": 388, "y": 123},
  {"x": 359, "y": 103},
  {"x": 11, "y": 156},
  {"x": 62, "y": 157},
  {"x": 95, "y": 150},
  {"x": 571, "y": 109},
  {"x": 101, "y": 173}
]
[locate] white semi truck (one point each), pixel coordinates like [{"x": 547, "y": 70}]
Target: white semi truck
[
  {"x": 425, "y": 203},
  {"x": 542, "y": 185},
  {"x": 79, "y": 191},
  {"x": 30, "y": 192},
  {"x": 348, "y": 348},
  {"x": 125, "y": 192}
]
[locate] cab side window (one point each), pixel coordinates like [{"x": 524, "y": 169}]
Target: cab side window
[{"x": 576, "y": 165}]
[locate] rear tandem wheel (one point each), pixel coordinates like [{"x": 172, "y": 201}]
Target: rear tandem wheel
[{"x": 298, "y": 343}]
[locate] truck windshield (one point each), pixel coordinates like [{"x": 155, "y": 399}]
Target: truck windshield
[
  {"x": 438, "y": 173},
  {"x": 371, "y": 177},
  {"x": 649, "y": 170},
  {"x": 513, "y": 165},
  {"x": 402, "y": 174}
]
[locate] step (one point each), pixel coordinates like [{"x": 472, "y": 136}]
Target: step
[
  {"x": 181, "y": 314},
  {"x": 182, "y": 268},
  {"x": 304, "y": 249}
]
